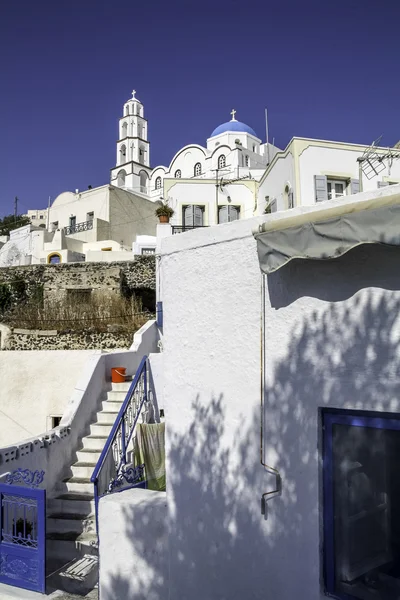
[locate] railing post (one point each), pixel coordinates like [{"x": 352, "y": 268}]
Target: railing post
[{"x": 123, "y": 442}]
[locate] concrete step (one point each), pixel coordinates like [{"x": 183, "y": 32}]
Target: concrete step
[
  {"x": 70, "y": 503},
  {"x": 75, "y": 523},
  {"x": 121, "y": 387},
  {"x": 79, "y": 485},
  {"x": 88, "y": 455},
  {"x": 83, "y": 469},
  {"x": 106, "y": 418},
  {"x": 71, "y": 545},
  {"x": 77, "y": 577},
  {"x": 116, "y": 396},
  {"x": 94, "y": 442},
  {"x": 97, "y": 429},
  {"x": 110, "y": 407}
]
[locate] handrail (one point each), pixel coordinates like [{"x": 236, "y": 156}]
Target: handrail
[
  {"x": 118, "y": 420},
  {"x": 79, "y": 227},
  {"x": 113, "y": 457}
]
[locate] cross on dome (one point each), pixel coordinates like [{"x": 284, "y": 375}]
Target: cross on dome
[
  {"x": 133, "y": 94},
  {"x": 233, "y": 113}
]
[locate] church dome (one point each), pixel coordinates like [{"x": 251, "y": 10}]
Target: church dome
[{"x": 233, "y": 126}]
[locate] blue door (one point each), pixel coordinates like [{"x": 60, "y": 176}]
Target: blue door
[{"x": 23, "y": 537}]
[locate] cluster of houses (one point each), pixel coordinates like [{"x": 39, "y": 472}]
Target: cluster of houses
[{"x": 235, "y": 176}]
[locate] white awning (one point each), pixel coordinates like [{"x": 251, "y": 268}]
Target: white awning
[{"x": 331, "y": 229}]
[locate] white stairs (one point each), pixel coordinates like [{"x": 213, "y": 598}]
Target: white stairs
[{"x": 71, "y": 527}]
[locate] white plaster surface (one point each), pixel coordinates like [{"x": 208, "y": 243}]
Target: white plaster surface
[
  {"x": 133, "y": 545},
  {"x": 35, "y": 385},
  {"x": 331, "y": 339}
]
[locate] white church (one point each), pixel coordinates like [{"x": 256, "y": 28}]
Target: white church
[{"x": 234, "y": 176}]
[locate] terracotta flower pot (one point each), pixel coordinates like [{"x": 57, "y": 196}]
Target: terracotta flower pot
[{"x": 164, "y": 218}]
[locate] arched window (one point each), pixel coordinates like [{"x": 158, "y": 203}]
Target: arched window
[
  {"x": 178, "y": 174},
  {"x": 222, "y": 161},
  {"x": 254, "y": 147},
  {"x": 237, "y": 142},
  {"x": 141, "y": 155},
  {"x": 54, "y": 259},
  {"x": 158, "y": 183},
  {"x": 247, "y": 160},
  {"x": 122, "y": 154},
  {"x": 127, "y": 110},
  {"x": 124, "y": 130},
  {"x": 144, "y": 178},
  {"x": 197, "y": 169},
  {"x": 121, "y": 178}
]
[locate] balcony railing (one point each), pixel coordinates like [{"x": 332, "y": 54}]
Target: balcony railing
[
  {"x": 85, "y": 226},
  {"x": 183, "y": 228}
]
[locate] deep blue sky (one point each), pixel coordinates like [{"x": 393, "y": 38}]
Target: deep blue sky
[{"x": 326, "y": 69}]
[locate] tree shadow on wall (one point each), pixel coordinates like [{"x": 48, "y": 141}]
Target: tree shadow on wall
[
  {"x": 214, "y": 513},
  {"x": 220, "y": 546}
]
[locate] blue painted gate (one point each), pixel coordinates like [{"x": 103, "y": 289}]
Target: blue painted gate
[{"x": 23, "y": 537}]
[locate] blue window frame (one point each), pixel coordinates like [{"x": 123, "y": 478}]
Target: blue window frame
[{"x": 361, "y": 495}]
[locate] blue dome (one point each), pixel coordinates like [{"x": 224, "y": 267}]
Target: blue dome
[{"x": 233, "y": 126}]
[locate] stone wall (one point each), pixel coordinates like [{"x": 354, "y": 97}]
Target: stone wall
[
  {"x": 127, "y": 277},
  {"x": 68, "y": 341}
]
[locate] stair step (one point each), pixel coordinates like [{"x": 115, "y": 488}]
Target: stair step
[
  {"x": 98, "y": 429},
  {"x": 79, "y": 484},
  {"x": 94, "y": 442},
  {"x": 70, "y": 523},
  {"x": 71, "y": 545},
  {"x": 121, "y": 387},
  {"x": 106, "y": 417},
  {"x": 111, "y": 407},
  {"x": 71, "y": 503},
  {"x": 114, "y": 396},
  {"x": 88, "y": 455},
  {"x": 83, "y": 469}
]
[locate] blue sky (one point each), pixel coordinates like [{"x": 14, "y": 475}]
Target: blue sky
[{"x": 324, "y": 69}]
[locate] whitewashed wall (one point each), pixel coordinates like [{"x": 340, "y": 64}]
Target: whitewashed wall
[
  {"x": 331, "y": 339},
  {"x": 55, "y": 450},
  {"x": 133, "y": 532},
  {"x": 339, "y": 162},
  {"x": 281, "y": 172},
  {"x": 35, "y": 385}
]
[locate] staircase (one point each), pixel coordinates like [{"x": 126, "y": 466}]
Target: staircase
[{"x": 72, "y": 547}]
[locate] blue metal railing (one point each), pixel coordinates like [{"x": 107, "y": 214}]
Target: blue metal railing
[{"x": 111, "y": 470}]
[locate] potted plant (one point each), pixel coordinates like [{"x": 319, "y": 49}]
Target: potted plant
[{"x": 164, "y": 212}]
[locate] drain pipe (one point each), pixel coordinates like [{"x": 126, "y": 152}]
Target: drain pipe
[{"x": 272, "y": 470}]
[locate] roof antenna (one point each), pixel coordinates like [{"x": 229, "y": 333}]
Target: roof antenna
[{"x": 266, "y": 129}]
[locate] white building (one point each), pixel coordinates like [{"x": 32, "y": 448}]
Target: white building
[
  {"x": 204, "y": 185},
  {"x": 101, "y": 224},
  {"x": 237, "y": 176}
]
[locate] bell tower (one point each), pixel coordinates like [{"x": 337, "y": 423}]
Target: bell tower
[{"x": 132, "y": 168}]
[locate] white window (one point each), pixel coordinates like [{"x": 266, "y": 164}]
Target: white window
[
  {"x": 178, "y": 174},
  {"x": 158, "y": 183},
  {"x": 221, "y": 161},
  {"x": 336, "y": 188},
  {"x": 228, "y": 213},
  {"x": 90, "y": 216},
  {"x": 197, "y": 169},
  {"x": 193, "y": 216}
]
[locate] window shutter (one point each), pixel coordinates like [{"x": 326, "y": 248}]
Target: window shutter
[
  {"x": 354, "y": 186},
  {"x": 233, "y": 212},
  {"x": 223, "y": 214},
  {"x": 382, "y": 184},
  {"x": 198, "y": 216},
  {"x": 321, "y": 188},
  {"x": 189, "y": 216}
]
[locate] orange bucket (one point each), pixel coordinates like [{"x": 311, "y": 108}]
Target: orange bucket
[{"x": 118, "y": 374}]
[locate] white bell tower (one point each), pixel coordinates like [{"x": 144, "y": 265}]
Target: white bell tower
[{"x": 132, "y": 168}]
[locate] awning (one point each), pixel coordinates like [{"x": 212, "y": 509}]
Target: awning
[{"x": 329, "y": 231}]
